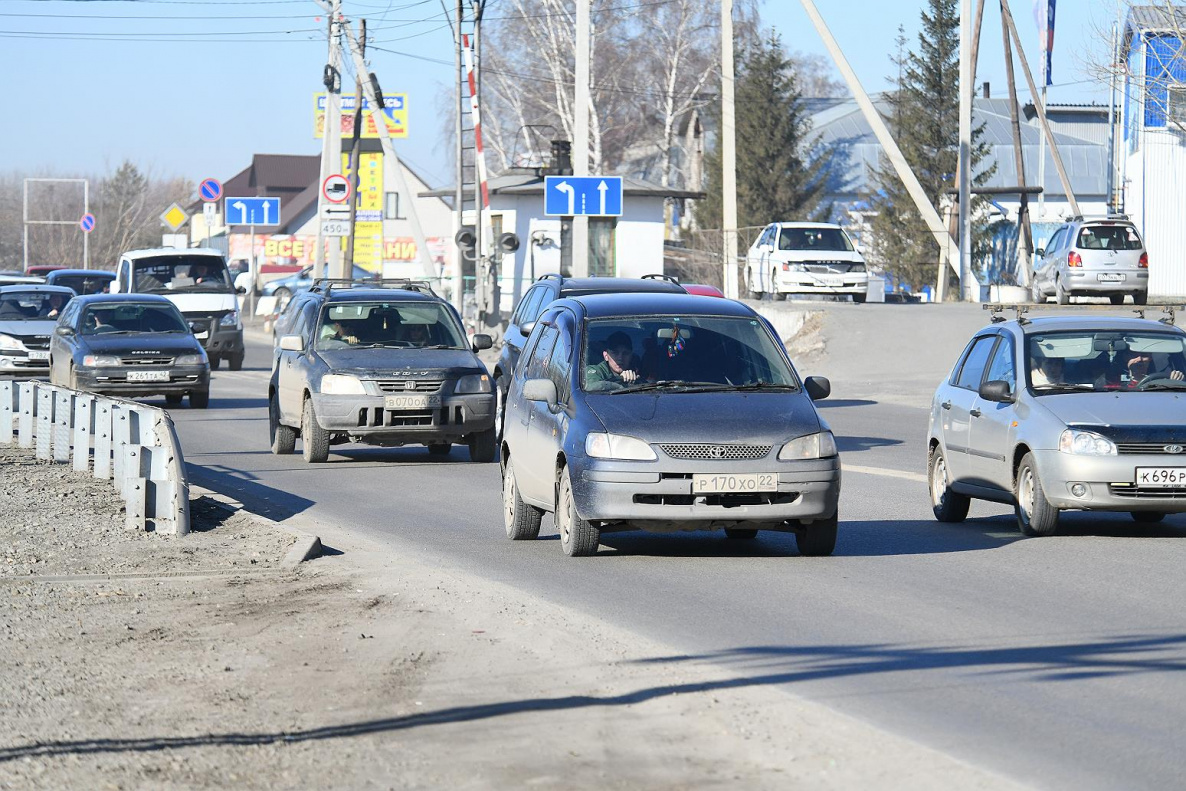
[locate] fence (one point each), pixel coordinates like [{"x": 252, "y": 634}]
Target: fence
[
  {"x": 700, "y": 258},
  {"x": 133, "y": 445}
]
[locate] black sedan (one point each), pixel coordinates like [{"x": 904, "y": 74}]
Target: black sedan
[{"x": 129, "y": 345}]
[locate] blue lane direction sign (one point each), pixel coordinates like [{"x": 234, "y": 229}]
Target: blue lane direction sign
[
  {"x": 210, "y": 190},
  {"x": 252, "y": 211},
  {"x": 594, "y": 196},
  {"x": 87, "y": 223}
]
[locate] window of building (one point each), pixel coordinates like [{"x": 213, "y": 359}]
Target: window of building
[
  {"x": 1177, "y": 102},
  {"x": 391, "y": 207},
  {"x": 601, "y": 246}
]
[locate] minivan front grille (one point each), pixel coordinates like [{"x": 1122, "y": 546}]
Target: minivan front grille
[{"x": 714, "y": 452}]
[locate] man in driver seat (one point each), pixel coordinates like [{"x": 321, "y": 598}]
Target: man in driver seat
[{"x": 617, "y": 363}]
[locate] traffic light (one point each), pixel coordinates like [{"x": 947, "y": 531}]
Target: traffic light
[
  {"x": 508, "y": 242},
  {"x": 467, "y": 243}
]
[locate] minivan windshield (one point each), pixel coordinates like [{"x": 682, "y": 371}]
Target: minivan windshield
[
  {"x": 32, "y": 305},
  {"x": 823, "y": 239},
  {"x": 389, "y": 325},
  {"x": 1106, "y": 361},
  {"x": 130, "y": 318},
  {"x": 181, "y": 272},
  {"x": 682, "y": 354}
]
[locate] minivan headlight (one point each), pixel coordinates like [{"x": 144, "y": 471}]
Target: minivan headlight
[
  {"x": 1085, "y": 443},
  {"x": 8, "y": 342},
  {"x": 616, "y": 446},
  {"x": 473, "y": 383},
  {"x": 341, "y": 384},
  {"x": 100, "y": 360},
  {"x": 188, "y": 359},
  {"x": 813, "y": 446},
  {"x": 230, "y": 320}
]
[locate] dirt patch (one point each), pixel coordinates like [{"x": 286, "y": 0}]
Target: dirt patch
[{"x": 808, "y": 345}]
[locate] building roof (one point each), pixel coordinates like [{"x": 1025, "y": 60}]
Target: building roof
[
  {"x": 1154, "y": 18},
  {"x": 840, "y": 121}
]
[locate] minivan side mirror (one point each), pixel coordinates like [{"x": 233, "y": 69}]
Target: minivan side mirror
[
  {"x": 997, "y": 390},
  {"x": 540, "y": 390},
  {"x": 818, "y": 387},
  {"x": 65, "y": 332},
  {"x": 527, "y": 326},
  {"x": 292, "y": 343},
  {"x": 1039, "y": 251},
  {"x": 482, "y": 341}
]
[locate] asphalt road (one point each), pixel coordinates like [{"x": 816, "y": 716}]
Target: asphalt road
[{"x": 1053, "y": 661}]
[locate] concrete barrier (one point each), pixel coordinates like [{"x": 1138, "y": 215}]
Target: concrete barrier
[{"x": 132, "y": 444}]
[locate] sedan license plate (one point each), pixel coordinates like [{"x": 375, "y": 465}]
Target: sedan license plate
[
  {"x": 38, "y": 355},
  {"x": 1111, "y": 277},
  {"x": 148, "y": 376},
  {"x": 411, "y": 401},
  {"x": 708, "y": 483},
  {"x": 832, "y": 281},
  {"x": 1161, "y": 477}
]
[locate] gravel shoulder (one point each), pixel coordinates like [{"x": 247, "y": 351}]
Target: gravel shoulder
[{"x": 130, "y": 660}]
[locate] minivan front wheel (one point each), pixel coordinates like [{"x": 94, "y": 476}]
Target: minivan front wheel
[
  {"x": 947, "y": 505},
  {"x": 578, "y": 538},
  {"x": 1035, "y": 515},
  {"x": 818, "y": 539}
]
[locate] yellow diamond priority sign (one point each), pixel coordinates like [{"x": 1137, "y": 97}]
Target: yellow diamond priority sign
[{"x": 174, "y": 216}]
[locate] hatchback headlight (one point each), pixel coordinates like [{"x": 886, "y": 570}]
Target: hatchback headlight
[
  {"x": 340, "y": 384},
  {"x": 1085, "y": 443},
  {"x": 8, "y": 342},
  {"x": 473, "y": 383},
  {"x": 189, "y": 359},
  {"x": 230, "y": 320},
  {"x": 813, "y": 446},
  {"x": 616, "y": 446},
  {"x": 100, "y": 360}
]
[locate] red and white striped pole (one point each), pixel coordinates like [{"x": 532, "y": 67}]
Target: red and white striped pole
[{"x": 486, "y": 233}]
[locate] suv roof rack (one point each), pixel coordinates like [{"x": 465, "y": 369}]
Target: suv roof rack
[
  {"x": 547, "y": 276},
  {"x": 328, "y": 284},
  {"x": 1089, "y": 217},
  {"x": 660, "y": 276},
  {"x": 1021, "y": 310}
]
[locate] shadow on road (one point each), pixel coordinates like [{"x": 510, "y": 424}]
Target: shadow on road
[
  {"x": 857, "y": 444},
  {"x": 758, "y": 666},
  {"x": 266, "y": 501}
]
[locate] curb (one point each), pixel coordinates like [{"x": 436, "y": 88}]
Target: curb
[{"x": 306, "y": 547}]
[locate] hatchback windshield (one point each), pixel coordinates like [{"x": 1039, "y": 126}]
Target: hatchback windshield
[
  {"x": 392, "y": 325},
  {"x": 1109, "y": 237},
  {"x": 1106, "y": 361},
  {"x": 31, "y": 305},
  {"x": 131, "y": 318},
  {"x": 682, "y": 354},
  {"x": 828, "y": 239},
  {"x": 182, "y": 273}
]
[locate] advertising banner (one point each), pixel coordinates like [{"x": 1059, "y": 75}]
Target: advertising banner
[{"x": 395, "y": 111}]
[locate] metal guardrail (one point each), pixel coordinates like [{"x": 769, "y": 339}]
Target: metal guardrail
[{"x": 131, "y": 444}]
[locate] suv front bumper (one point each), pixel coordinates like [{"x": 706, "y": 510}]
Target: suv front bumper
[
  {"x": 658, "y": 495},
  {"x": 365, "y": 417}
]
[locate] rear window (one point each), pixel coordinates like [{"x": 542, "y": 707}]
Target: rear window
[{"x": 1109, "y": 237}]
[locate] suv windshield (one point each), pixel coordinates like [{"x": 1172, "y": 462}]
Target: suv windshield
[
  {"x": 127, "y": 317},
  {"x": 682, "y": 354},
  {"x": 31, "y": 305},
  {"x": 823, "y": 239},
  {"x": 1106, "y": 361},
  {"x": 1109, "y": 237},
  {"x": 181, "y": 273},
  {"x": 393, "y": 325}
]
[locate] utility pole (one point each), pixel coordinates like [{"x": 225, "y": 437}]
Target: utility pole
[
  {"x": 355, "y": 146},
  {"x": 580, "y": 158},
  {"x": 331, "y": 142},
  {"x": 965, "y": 152},
  {"x": 1025, "y": 231},
  {"x": 458, "y": 196},
  {"x": 728, "y": 153}
]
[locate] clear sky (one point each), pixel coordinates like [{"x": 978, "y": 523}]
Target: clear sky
[{"x": 194, "y": 87}]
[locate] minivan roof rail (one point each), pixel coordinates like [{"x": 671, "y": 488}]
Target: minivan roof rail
[
  {"x": 660, "y": 276},
  {"x": 1022, "y": 311},
  {"x": 328, "y": 284},
  {"x": 548, "y": 276}
]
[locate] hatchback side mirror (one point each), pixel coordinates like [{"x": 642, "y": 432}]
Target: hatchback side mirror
[
  {"x": 818, "y": 387},
  {"x": 482, "y": 341},
  {"x": 998, "y": 391},
  {"x": 292, "y": 343},
  {"x": 540, "y": 390}
]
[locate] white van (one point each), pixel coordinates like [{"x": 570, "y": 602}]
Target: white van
[
  {"x": 805, "y": 258},
  {"x": 197, "y": 281}
]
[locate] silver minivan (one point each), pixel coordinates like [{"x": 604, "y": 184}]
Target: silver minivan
[{"x": 1092, "y": 257}]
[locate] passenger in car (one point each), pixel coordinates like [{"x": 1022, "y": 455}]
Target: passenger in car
[{"x": 1046, "y": 370}]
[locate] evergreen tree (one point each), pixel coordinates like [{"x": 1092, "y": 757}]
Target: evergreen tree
[
  {"x": 923, "y": 117},
  {"x": 781, "y": 174}
]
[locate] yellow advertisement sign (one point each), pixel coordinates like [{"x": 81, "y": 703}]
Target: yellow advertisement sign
[
  {"x": 395, "y": 112},
  {"x": 368, "y": 225}
]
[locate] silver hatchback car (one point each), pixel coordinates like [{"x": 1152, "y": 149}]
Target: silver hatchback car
[
  {"x": 1058, "y": 413},
  {"x": 1092, "y": 257}
]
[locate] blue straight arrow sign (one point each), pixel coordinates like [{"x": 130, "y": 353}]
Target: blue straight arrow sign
[
  {"x": 593, "y": 196},
  {"x": 252, "y": 211}
]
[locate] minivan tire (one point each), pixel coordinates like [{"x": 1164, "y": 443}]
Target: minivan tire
[
  {"x": 1060, "y": 295},
  {"x": 521, "y": 520},
  {"x": 1147, "y": 517},
  {"x": 1116, "y": 299},
  {"x": 1140, "y": 298},
  {"x": 819, "y": 538},
  {"x": 283, "y": 437},
  {"x": 483, "y": 446},
  {"x": 948, "y": 506},
  {"x": 314, "y": 439},
  {"x": 1035, "y": 515},
  {"x": 578, "y": 538},
  {"x": 1036, "y": 295},
  {"x": 235, "y": 361}
]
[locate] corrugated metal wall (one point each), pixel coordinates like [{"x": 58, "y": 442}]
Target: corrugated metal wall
[{"x": 1162, "y": 187}]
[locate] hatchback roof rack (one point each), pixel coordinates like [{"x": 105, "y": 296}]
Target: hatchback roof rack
[
  {"x": 547, "y": 276},
  {"x": 660, "y": 276},
  {"x": 328, "y": 284},
  {"x": 1021, "y": 310}
]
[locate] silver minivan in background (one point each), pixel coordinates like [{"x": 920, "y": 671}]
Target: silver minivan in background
[{"x": 1092, "y": 257}]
